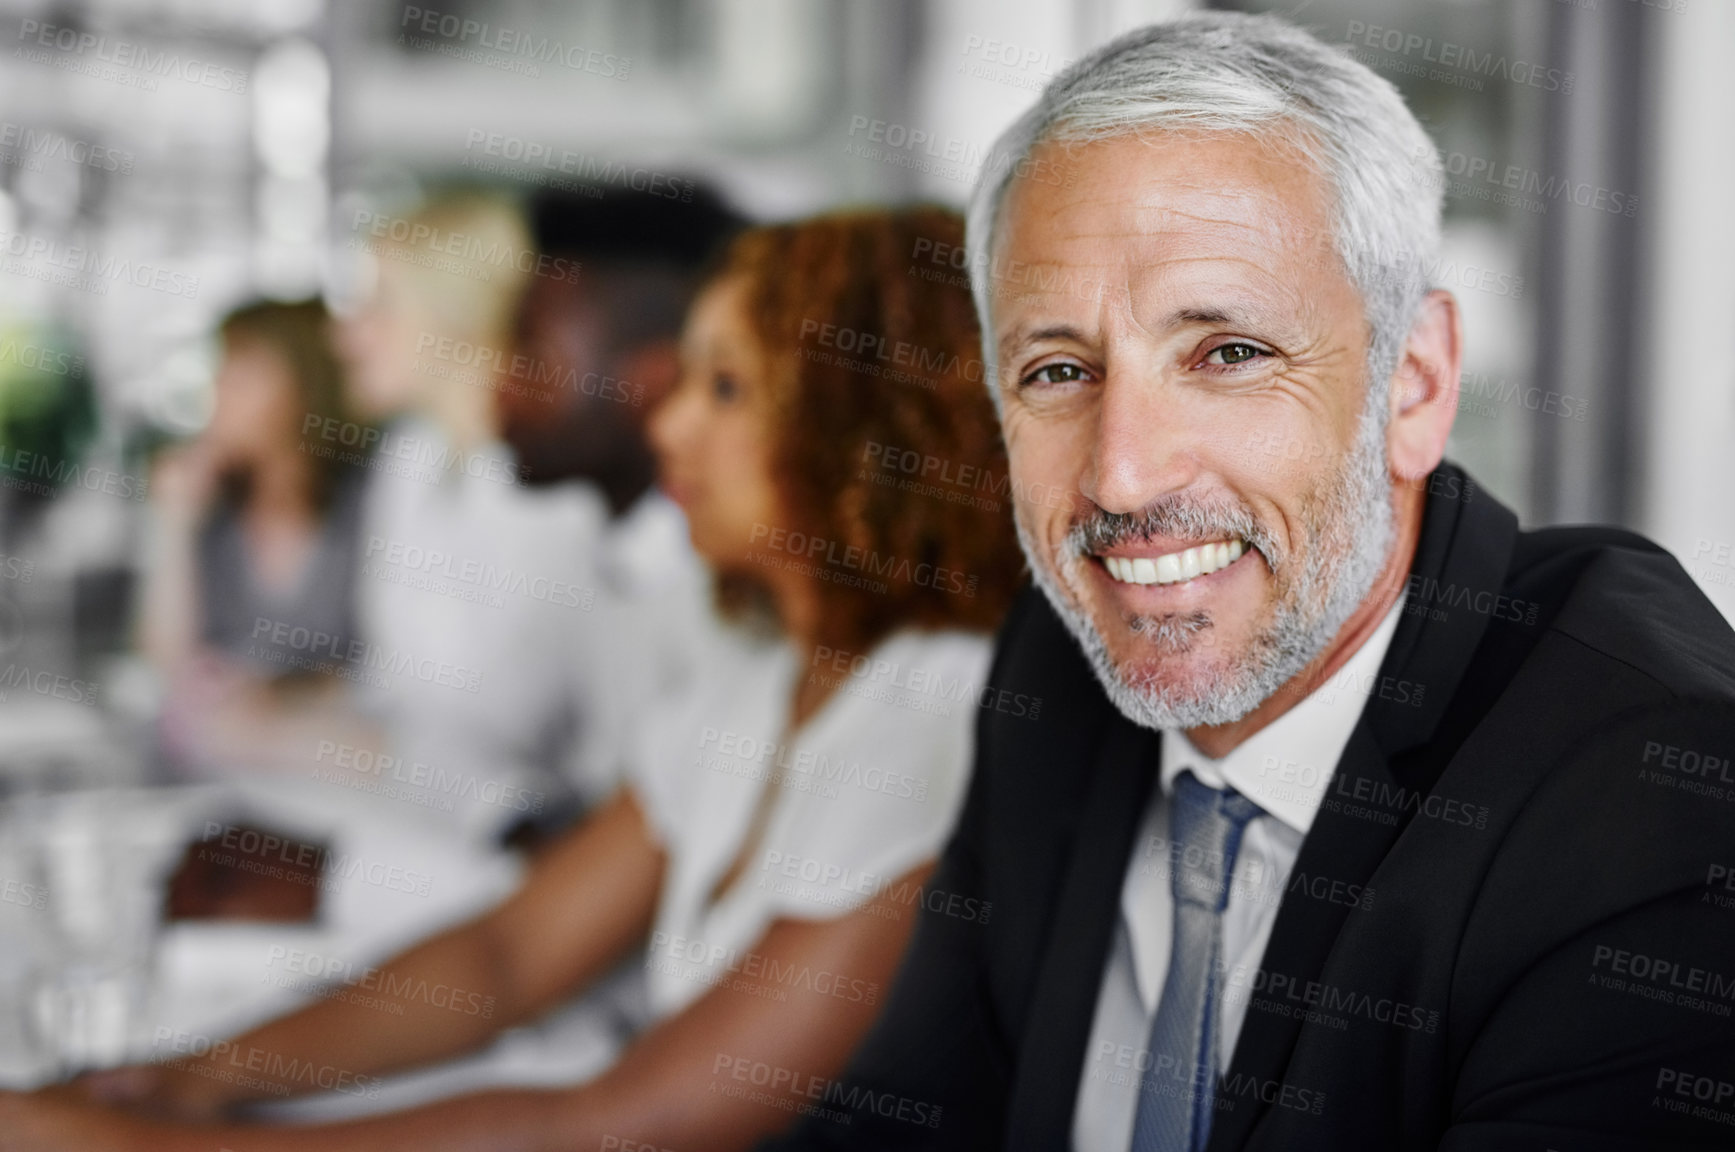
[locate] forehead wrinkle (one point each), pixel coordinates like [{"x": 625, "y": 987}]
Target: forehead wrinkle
[
  {"x": 1146, "y": 247},
  {"x": 1172, "y": 218},
  {"x": 1165, "y": 294},
  {"x": 1103, "y": 213},
  {"x": 1170, "y": 230},
  {"x": 1236, "y": 199},
  {"x": 1273, "y": 233}
]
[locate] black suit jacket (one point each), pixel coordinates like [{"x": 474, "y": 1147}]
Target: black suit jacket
[{"x": 1514, "y": 930}]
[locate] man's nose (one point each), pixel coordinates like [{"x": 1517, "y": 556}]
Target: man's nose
[{"x": 1142, "y": 447}]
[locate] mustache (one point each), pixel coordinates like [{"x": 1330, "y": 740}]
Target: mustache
[{"x": 1178, "y": 517}]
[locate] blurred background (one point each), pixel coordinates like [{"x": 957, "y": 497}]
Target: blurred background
[{"x": 163, "y": 162}]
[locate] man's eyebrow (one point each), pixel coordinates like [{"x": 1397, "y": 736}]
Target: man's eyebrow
[
  {"x": 1233, "y": 317},
  {"x": 1216, "y": 317},
  {"x": 1198, "y": 316},
  {"x": 1020, "y": 336}
]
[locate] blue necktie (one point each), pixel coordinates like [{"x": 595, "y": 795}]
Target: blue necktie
[{"x": 1178, "y": 1087}]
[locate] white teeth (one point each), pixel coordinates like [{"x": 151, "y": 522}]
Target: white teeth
[{"x": 1197, "y": 561}]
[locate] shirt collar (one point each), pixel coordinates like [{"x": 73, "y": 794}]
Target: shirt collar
[
  {"x": 1284, "y": 767},
  {"x": 647, "y": 546}
]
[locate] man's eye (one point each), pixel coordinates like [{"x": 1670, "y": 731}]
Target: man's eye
[
  {"x": 1234, "y": 353},
  {"x": 1062, "y": 373}
]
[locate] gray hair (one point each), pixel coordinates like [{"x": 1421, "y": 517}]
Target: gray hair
[{"x": 1232, "y": 72}]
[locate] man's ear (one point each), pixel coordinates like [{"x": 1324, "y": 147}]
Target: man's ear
[{"x": 1424, "y": 392}]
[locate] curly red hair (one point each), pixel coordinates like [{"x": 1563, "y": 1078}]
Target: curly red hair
[{"x": 870, "y": 360}]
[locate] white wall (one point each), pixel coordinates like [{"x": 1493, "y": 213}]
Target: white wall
[{"x": 1689, "y": 397}]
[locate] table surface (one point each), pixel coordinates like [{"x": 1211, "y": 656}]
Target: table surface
[{"x": 402, "y": 874}]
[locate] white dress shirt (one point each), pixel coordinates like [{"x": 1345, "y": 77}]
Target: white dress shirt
[{"x": 1284, "y": 768}]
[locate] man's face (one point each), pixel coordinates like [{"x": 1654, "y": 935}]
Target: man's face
[
  {"x": 1181, "y": 348},
  {"x": 553, "y": 425}
]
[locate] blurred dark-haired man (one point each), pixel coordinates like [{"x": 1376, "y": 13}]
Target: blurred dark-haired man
[{"x": 595, "y": 354}]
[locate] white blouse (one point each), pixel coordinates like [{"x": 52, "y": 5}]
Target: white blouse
[
  {"x": 484, "y": 590},
  {"x": 867, "y": 789}
]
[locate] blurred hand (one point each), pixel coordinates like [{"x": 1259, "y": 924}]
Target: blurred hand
[{"x": 184, "y": 481}]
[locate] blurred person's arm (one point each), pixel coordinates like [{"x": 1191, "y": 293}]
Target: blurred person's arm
[
  {"x": 732, "y": 1068},
  {"x": 183, "y": 486},
  {"x": 735, "y": 1066},
  {"x": 585, "y": 903},
  {"x": 232, "y": 720}
]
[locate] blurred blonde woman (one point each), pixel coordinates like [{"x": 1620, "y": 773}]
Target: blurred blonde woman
[{"x": 464, "y": 570}]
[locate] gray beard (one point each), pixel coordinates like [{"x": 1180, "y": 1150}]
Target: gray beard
[{"x": 1350, "y": 531}]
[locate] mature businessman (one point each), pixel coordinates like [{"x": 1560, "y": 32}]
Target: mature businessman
[{"x": 1354, "y": 818}]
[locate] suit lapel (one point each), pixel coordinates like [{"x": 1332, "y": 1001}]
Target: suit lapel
[
  {"x": 1345, "y": 848},
  {"x": 1085, "y": 914},
  {"x": 1460, "y": 563},
  {"x": 1462, "y": 557}
]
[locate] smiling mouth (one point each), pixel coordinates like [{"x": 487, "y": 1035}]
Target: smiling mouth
[{"x": 1174, "y": 567}]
